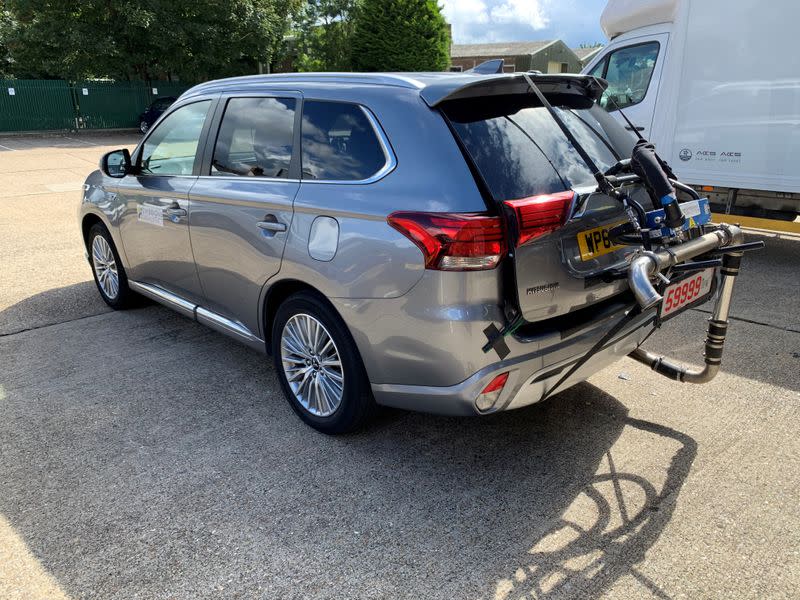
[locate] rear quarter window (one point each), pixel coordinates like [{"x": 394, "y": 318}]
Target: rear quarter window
[{"x": 339, "y": 142}]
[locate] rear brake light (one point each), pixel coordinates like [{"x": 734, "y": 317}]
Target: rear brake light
[
  {"x": 453, "y": 241},
  {"x": 538, "y": 215},
  {"x": 491, "y": 393}
]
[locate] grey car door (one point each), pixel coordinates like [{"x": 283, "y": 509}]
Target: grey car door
[
  {"x": 241, "y": 206},
  {"x": 155, "y": 225}
]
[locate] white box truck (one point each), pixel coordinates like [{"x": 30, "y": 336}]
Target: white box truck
[{"x": 715, "y": 84}]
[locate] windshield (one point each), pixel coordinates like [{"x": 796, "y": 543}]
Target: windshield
[{"x": 520, "y": 150}]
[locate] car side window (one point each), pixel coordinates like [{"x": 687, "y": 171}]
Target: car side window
[
  {"x": 172, "y": 147},
  {"x": 339, "y": 142},
  {"x": 628, "y": 72},
  {"x": 255, "y": 138}
]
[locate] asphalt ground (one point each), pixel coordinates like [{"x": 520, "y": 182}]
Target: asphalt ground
[{"x": 145, "y": 456}]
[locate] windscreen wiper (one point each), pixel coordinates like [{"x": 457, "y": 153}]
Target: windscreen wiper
[{"x": 602, "y": 181}]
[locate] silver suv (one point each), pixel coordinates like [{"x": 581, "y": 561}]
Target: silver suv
[{"x": 433, "y": 242}]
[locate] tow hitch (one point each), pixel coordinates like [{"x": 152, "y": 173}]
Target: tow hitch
[{"x": 725, "y": 240}]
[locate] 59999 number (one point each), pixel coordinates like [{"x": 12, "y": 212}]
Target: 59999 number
[{"x": 687, "y": 291}]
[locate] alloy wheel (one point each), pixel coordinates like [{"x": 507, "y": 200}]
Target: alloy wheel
[
  {"x": 312, "y": 365},
  {"x": 105, "y": 267}
]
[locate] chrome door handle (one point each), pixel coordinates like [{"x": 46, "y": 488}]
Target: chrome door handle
[
  {"x": 271, "y": 226},
  {"x": 175, "y": 212}
]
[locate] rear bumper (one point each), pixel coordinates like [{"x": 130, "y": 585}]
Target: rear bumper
[{"x": 530, "y": 375}]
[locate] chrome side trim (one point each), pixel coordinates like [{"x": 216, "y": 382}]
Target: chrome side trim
[
  {"x": 228, "y": 327},
  {"x": 388, "y": 166},
  {"x": 164, "y": 297},
  {"x": 202, "y": 315},
  {"x": 249, "y": 179}
]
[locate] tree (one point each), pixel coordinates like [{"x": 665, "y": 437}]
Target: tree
[
  {"x": 145, "y": 39},
  {"x": 323, "y": 35},
  {"x": 6, "y": 25},
  {"x": 400, "y": 35}
]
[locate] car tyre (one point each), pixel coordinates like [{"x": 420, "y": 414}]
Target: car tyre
[
  {"x": 109, "y": 274},
  {"x": 143, "y": 126},
  {"x": 319, "y": 367}
]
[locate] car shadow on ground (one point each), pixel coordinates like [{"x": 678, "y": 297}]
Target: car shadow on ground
[
  {"x": 146, "y": 454},
  {"x": 57, "y": 305}
]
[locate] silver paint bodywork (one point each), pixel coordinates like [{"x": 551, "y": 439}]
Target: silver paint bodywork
[{"x": 232, "y": 239}]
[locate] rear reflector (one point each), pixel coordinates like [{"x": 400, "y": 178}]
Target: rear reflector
[
  {"x": 538, "y": 215},
  {"x": 453, "y": 241},
  {"x": 491, "y": 393}
]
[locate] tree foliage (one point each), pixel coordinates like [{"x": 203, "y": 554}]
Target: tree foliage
[
  {"x": 400, "y": 35},
  {"x": 323, "y": 34},
  {"x": 144, "y": 39}
]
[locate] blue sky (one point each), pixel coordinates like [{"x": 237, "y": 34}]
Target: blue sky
[{"x": 574, "y": 21}]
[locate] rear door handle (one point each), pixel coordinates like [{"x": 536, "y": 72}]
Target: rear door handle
[
  {"x": 272, "y": 226},
  {"x": 637, "y": 128}
]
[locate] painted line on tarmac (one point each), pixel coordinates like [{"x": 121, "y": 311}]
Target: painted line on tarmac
[{"x": 7, "y": 148}]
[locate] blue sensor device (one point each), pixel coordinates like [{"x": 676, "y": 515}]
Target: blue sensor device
[{"x": 697, "y": 212}]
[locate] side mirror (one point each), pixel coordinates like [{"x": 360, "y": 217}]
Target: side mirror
[{"x": 116, "y": 164}]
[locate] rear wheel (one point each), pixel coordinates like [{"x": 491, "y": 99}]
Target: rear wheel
[
  {"x": 319, "y": 367},
  {"x": 109, "y": 274}
]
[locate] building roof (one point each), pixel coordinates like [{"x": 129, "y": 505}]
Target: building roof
[
  {"x": 501, "y": 49},
  {"x": 584, "y": 53}
]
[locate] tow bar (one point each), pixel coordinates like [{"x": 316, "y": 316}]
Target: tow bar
[{"x": 725, "y": 239}]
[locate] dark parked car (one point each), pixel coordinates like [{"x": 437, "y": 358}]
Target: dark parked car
[{"x": 155, "y": 110}]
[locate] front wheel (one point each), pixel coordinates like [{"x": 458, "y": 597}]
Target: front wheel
[
  {"x": 143, "y": 127},
  {"x": 109, "y": 274},
  {"x": 319, "y": 367}
]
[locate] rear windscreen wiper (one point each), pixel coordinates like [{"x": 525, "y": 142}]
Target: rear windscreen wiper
[{"x": 603, "y": 183}]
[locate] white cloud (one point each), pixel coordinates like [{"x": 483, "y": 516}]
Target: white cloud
[
  {"x": 522, "y": 12},
  {"x": 490, "y": 20},
  {"x": 475, "y": 21}
]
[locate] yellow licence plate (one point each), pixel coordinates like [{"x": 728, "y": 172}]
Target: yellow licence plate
[{"x": 595, "y": 242}]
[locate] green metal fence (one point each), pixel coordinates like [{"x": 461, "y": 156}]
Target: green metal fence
[
  {"x": 31, "y": 105},
  {"x": 114, "y": 104}
]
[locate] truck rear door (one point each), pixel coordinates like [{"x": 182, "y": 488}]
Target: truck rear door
[{"x": 633, "y": 70}]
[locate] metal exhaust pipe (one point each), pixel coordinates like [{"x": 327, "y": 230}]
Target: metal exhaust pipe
[
  {"x": 717, "y": 330},
  {"x": 648, "y": 264}
]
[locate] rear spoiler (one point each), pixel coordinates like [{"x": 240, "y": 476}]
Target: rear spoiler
[{"x": 472, "y": 85}]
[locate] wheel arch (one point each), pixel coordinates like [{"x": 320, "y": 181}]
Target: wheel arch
[
  {"x": 88, "y": 221},
  {"x": 91, "y": 217},
  {"x": 274, "y": 296}
]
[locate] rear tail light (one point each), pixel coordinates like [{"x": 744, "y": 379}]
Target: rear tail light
[
  {"x": 491, "y": 393},
  {"x": 538, "y": 215},
  {"x": 453, "y": 241}
]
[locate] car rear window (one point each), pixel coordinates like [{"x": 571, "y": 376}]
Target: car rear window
[
  {"x": 519, "y": 149},
  {"x": 339, "y": 143}
]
